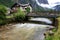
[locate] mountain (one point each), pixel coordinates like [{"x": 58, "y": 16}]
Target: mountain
[
  {"x": 57, "y": 3},
  {"x": 34, "y": 4},
  {"x": 40, "y": 1},
  {"x": 23, "y": 1},
  {"x": 43, "y": 1},
  {"x": 7, "y": 3},
  {"x": 57, "y": 8}
]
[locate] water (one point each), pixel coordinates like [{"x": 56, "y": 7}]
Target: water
[
  {"x": 38, "y": 30},
  {"x": 26, "y": 31},
  {"x": 46, "y": 20}
]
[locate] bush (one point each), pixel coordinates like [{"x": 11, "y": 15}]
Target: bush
[
  {"x": 28, "y": 10},
  {"x": 3, "y": 10},
  {"x": 20, "y": 15}
]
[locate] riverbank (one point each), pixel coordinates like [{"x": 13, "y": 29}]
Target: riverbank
[{"x": 56, "y": 35}]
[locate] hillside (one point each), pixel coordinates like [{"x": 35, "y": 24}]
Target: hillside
[{"x": 7, "y": 3}]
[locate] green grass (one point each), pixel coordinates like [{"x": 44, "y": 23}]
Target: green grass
[{"x": 56, "y": 35}]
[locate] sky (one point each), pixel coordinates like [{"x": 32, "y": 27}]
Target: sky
[{"x": 50, "y": 5}]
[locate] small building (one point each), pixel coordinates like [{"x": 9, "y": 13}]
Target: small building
[{"x": 23, "y": 7}]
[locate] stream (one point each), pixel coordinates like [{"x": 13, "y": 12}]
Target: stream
[{"x": 26, "y": 31}]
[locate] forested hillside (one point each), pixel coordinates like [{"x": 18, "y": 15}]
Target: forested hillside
[{"x": 7, "y": 3}]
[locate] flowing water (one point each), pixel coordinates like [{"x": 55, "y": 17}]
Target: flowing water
[
  {"x": 25, "y": 31},
  {"x": 46, "y": 20}
]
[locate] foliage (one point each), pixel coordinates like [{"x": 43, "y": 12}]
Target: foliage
[
  {"x": 3, "y": 10},
  {"x": 20, "y": 15},
  {"x": 56, "y": 35},
  {"x": 49, "y": 38},
  {"x": 28, "y": 10},
  {"x": 17, "y": 16}
]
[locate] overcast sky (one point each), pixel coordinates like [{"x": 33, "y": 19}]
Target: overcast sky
[{"x": 50, "y": 5}]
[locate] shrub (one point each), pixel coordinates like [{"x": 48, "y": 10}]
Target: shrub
[
  {"x": 3, "y": 10},
  {"x": 20, "y": 15},
  {"x": 28, "y": 10}
]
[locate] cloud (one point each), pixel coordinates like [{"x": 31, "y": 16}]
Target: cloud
[{"x": 51, "y": 4}]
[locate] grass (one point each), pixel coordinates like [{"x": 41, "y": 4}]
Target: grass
[{"x": 56, "y": 35}]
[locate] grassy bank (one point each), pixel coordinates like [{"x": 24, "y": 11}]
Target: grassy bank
[{"x": 56, "y": 35}]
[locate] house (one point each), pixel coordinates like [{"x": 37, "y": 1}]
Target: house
[{"x": 23, "y": 7}]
